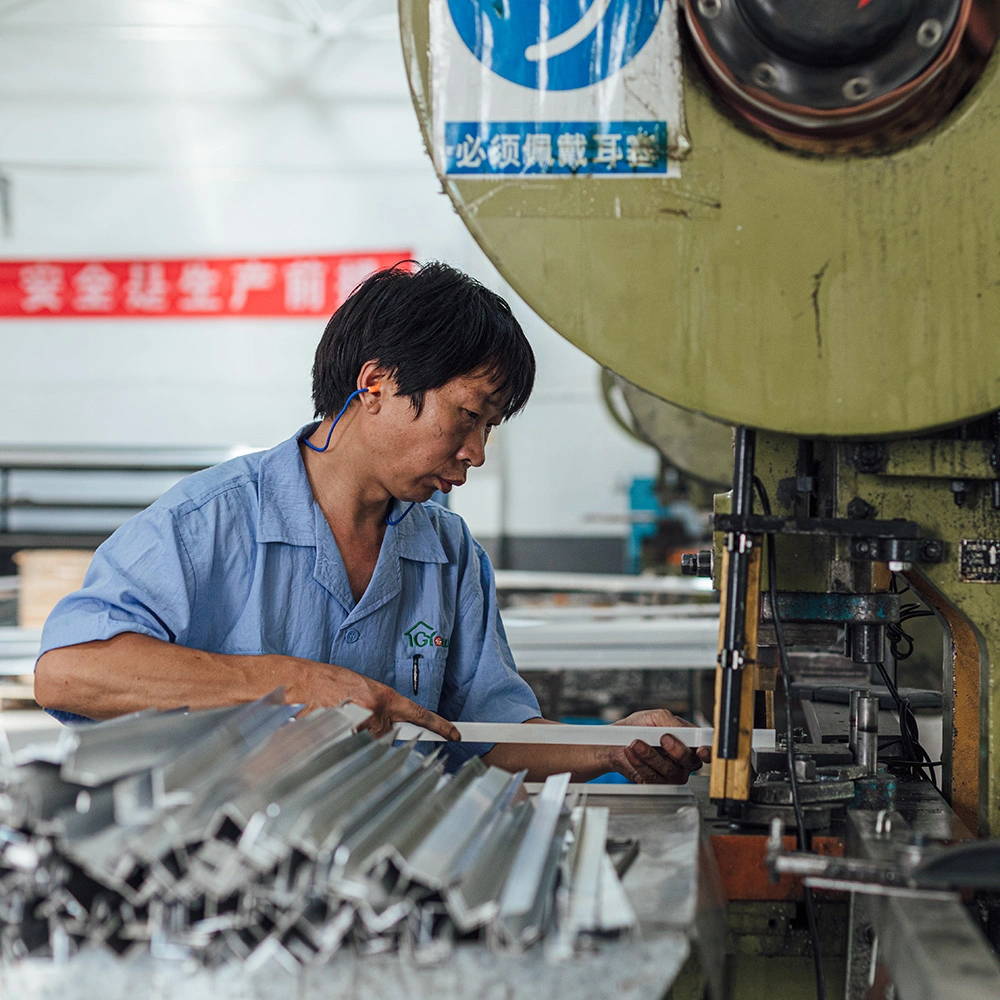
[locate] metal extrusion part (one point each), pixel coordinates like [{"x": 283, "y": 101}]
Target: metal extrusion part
[
  {"x": 267, "y": 837},
  {"x": 134, "y": 743},
  {"x": 616, "y": 912},
  {"x": 519, "y": 893},
  {"x": 523, "y": 904},
  {"x": 579, "y": 912},
  {"x": 475, "y": 899},
  {"x": 432, "y": 863},
  {"x": 405, "y": 840},
  {"x": 355, "y": 852},
  {"x": 474, "y": 849},
  {"x": 585, "y": 889},
  {"x": 214, "y": 755},
  {"x": 316, "y": 832}
]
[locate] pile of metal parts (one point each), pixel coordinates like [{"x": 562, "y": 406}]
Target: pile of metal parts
[{"x": 242, "y": 834}]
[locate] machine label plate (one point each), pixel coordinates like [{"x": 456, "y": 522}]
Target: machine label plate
[
  {"x": 980, "y": 560},
  {"x": 543, "y": 90}
]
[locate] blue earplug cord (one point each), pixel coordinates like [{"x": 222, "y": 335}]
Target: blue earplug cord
[{"x": 350, "y": 399}]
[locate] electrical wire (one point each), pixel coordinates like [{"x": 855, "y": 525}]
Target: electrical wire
[
  {"x": 786, "y": 682},
  {"x": 915, "y": 758},
  {"x": 336, "y": 420}
]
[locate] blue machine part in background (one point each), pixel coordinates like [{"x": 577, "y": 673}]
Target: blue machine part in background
[
  {"x": 555, "y": 44},
  {"x": 642, "y": 497}
]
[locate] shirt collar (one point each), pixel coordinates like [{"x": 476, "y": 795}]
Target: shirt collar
[
  {"x": 287, "y": 507},
  {"x": 285, "y": 498},
  {"x": 416, "y": 537}
]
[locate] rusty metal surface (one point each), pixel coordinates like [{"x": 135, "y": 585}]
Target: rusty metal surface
[
  {"x": 742, "y": 860},
  {"x": 962, "y": 749}
]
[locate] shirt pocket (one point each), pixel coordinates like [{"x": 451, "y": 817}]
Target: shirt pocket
[{"x": 419, "y": 677}]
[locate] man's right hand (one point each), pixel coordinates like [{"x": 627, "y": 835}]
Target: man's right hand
[{"x": 321, "y": 685}]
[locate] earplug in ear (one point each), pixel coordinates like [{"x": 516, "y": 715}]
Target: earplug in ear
[{"x": 377, "y": 387}]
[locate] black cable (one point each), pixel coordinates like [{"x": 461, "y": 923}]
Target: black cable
[
  {"x": 900, "y": 760},
  {"x": 786, "y": 680},
  {"x": 909, "y": 733},
  {"x": 915, "y": 757}
]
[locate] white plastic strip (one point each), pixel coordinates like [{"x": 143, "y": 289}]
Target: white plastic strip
[
  {"x": 567, "y": 735},
  {"x": 602, "y": 583},
  {"x": 601, "y": 791}
]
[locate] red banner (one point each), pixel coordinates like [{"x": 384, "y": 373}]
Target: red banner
[{"x": 250, "y": 286}]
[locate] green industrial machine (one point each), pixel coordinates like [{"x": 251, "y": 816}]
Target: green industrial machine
[
  {"x": 820, "y": 269},
  {"x": 810, "y": 295}
]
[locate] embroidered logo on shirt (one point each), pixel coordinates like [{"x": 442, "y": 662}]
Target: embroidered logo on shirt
[{"x": 422, "y": 634}]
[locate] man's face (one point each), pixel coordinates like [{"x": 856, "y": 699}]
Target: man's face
[{"x": 433, "y": 451}]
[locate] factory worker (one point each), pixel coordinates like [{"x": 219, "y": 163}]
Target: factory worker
[{"x": 320, "y": 565}]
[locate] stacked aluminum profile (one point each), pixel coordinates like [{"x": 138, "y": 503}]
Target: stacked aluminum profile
[{"x": 244, "y": 834}]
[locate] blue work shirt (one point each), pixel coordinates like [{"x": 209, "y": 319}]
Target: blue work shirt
[{"x": 240, "y": 559}]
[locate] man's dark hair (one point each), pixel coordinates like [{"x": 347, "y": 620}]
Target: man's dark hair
[{"x": 425, "y": 326}]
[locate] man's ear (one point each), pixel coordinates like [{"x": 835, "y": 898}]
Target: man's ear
[{"x": 373, "y": 379}]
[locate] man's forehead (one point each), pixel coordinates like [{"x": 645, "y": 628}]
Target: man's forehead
[{"x": 484, "y": 386}]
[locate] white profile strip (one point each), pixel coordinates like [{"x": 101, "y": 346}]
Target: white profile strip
[
  {"x": 571, "y": 37},
  {"x": 568, "y": 735}
]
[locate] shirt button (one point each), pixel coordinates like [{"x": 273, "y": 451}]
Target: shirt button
[{"x": 352, "y": 635}]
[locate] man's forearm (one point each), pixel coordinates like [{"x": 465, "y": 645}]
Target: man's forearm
[
  {"x": 542, "y": 759},
  {"x": 130, "y": 672}
]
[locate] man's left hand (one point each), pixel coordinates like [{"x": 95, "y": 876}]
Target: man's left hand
[{"x": 669, "y": 763}]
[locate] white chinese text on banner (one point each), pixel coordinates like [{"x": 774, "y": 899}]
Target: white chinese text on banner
[{"x": 306, "y": 285}]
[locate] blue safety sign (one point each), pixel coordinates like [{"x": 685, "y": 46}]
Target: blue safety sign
[{"x": 555, "y": 44}]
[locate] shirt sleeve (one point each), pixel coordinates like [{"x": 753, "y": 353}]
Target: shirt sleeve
[
  {"x": 140, "y": 580},
  {"x": 482, "y": 683}
]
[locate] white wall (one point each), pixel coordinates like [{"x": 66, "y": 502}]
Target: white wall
[{"x": 130, "y": 142}]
